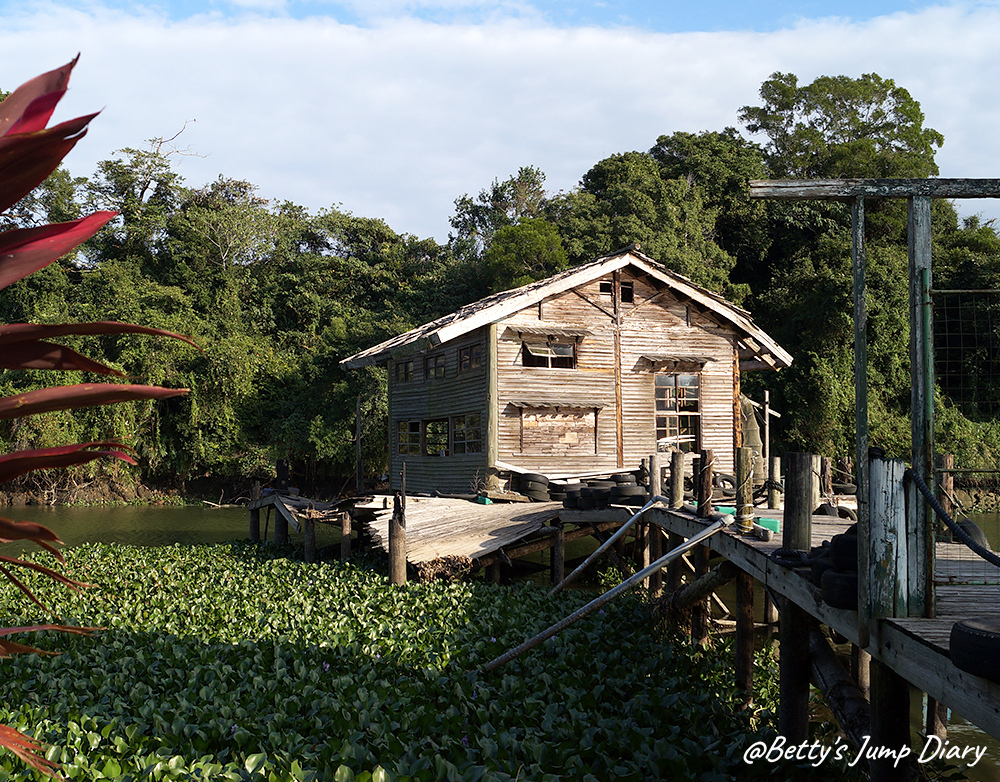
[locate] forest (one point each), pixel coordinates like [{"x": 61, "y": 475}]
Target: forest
[{"x": 276, "y": 295}]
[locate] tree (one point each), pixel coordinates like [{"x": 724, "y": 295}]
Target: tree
[
  {"x": 842, "y": 127},
  {"x": 527, "y": 251}
]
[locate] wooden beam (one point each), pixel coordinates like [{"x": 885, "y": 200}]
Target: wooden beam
[{"x": 846, "y": 189}]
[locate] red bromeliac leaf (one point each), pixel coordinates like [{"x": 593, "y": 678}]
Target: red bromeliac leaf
[
  {"x": 55, "y": 575},
  {"x": 17, "y": 103},
  {"x": 26, "y": 250},
  {"x": 19, "y": 332},
  {"x": 80, "y": 395},
  {"x": 28, "y": 750},
  {"x": 37, "y": 114},
  {"x": 11, "y": 530},
  {"x": 20, "y": 462},
  {"x": 26, "y": 159},
  {"x": 48, "y": 355},
  {"x": 10, "y": 648}
]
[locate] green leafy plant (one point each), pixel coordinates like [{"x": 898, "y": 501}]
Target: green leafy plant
[{"x": 29, "y": 152}]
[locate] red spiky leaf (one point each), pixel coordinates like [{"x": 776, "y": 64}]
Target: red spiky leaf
[
  {"x": 45, "y": 400},
  {"x": 16, "y": 104},
  {"x": 26, "y": 250},
  {"x": 18, "y": 332},
  {"x": 28, "y": 750},
  {"x": 14, "y": 464},
  {"x": 48, "y": 355}
]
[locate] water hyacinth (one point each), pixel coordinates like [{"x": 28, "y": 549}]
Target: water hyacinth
[{"x": 222, "y": 662}]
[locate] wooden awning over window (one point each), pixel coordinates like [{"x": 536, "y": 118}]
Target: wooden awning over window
[
  {"x": 546, "y": 330},
  {"x": 579, "y": 404},
  {"x": 661, "y": 362}
]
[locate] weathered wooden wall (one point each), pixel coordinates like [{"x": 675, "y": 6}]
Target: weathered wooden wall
[{"x": 422, "y": 398}]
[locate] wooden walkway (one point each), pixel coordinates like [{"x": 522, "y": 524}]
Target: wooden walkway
[
  {"x": 916, "y": 648},
  {"x": 437, "y": 527}
]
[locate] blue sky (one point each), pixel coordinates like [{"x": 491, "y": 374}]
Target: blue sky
[{"x": 393, "y": 109}]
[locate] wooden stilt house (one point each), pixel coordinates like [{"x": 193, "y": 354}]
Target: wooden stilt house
[{"x": 591, "y": 369}]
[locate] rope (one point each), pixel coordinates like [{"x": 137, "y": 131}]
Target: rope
[{"x": 958, "y": 532}]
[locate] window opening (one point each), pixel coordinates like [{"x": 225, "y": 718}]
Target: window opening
[
  {"x": 678, "y": 414},
  {"x": 436, "y": 437},
  {"x": 548, "y": 353},
  {"x": 434, "y": 366},
  {"x": 467, "y": 434},
  {"x": 404, "y": 371},
  {"x": 470, "y": 357},
  {"x": 408, "y": 438}
]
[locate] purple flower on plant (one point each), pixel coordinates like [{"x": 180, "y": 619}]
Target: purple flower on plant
[{"x": 465, "y": 740}]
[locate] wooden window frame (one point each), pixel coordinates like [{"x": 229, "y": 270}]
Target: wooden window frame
[
  {"x": 466, "y": 434},
  {"x": 683, "y": 416},
  {"x": 431, "y": 439},
  {"x": 543, "y": 356},
  {"x": 408, "y": 438},
  {"x": 470, "y": 357},
  {"x": 435, "y": 367},
  {"x": 404, "y": 371}
]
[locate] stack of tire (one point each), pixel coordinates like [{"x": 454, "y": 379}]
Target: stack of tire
[
  {"x": 626, "y": 490},
  {"x": 534, "y": 485},
  {"x": 571, "y": 495},
  {"x": 838, "y": 579}
]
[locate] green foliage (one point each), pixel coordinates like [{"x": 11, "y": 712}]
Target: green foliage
[
  {"x": 234, "y": 662},
  {"x": 522, "y": 253}
]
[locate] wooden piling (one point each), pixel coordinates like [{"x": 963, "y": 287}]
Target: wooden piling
[
  {"x": 744, "y": 636},
  {"x": 280, "y": 528},
  {"x": 558, "y": 553},
  {"x": 700, "y": 614},
  {"x": 655, "y": 533},
  {"x": 773, "y": 482},
  {"x": 397, "y": 535},
  {"x": 255, "y": 513},
  {"x": 309, "y": 531},
  {"x": 794, "y": 667},
  {"x": 890, "y": 710},
  {"x": 826, "y": 478},
  {"x": 744, "y": 490},
  {"x": 945, "y": 492},
  {"x": 345, "y": 536}
]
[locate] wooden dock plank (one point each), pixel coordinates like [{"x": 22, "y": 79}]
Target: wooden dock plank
[{"x": 438, "y": 527}]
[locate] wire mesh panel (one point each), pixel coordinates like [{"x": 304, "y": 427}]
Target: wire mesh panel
[{"x": 967, "y": 429}]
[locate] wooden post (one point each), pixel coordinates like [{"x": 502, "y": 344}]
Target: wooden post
[
  {"x": 945, "y": 491},
  {"x": 655, "y": 533},
  {"x": 744, "y": 490},
  {"x": 703, "y": 483},
  {"x": 826, "y": 478},
  {"x": 397, "y": 535},
  {"x": 309, "y": 530},
  {"x": 861, "y": 663},
  {"x": 890, "y": 710},
  {"x": 676, "y": 501},
  {"x": 494, "y": 572},
  {"x": 255, "y": 513},
  {"x": 744, "y": 636},
  {"x": 793, "y": 666},
  {"x": 676, "y": 479},
  {"x": 860, "y": 263},
  {"x": 774, "y": 480},
  {"x": 345, "y": 536},
  {"x": 280, "y": 525},
  {"x": 700, "y": 614},
  {"x": 358, "y": 467},
  {"x": 889, "y": 589},
  {"x": 558, "y": 553}
]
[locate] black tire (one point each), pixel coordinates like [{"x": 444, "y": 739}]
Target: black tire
[
  {"x": 848, "y": 513},
  {"x": 844, "y": 552},
  {"x": 557, "y": 496},
  {"x": 725, "y": 481},
  {"x": 623, "y": 477},
  {"x": 573, "y": 494},
  {"x": 601, "y": 484},
  {"x": 845, "y": 488},
  {"x": 534, "y": 486},
  {"x": 975, "y": 647},
  {"x": 571, "y": 487},
  {"x": 539, "y": 496},
  {"x": 635, "y": 502},
  {"x": 585, "y": 503},
  {"x": 534, "y": 476},
  {"x": 826, "y": 509},
  {"x": 571, "y": 503},
  {"x": 628, "y": 490},
  {"x": 819, "y": 567},
  {"x": 840, "y": 589}
]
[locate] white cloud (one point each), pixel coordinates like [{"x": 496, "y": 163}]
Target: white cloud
[{"x": 398, "y": 119}]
